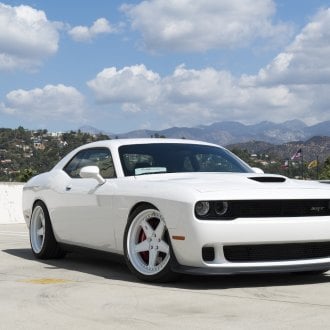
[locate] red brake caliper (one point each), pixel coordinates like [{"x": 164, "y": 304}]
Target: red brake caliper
[{"x": 144, "y": 254}]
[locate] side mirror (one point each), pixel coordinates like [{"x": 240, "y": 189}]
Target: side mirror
[
  {"x": 258, "y": 170},
  {"x": 92, "y": 172}
]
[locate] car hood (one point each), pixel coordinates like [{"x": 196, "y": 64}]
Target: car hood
[{"x": 240, "y": 184}]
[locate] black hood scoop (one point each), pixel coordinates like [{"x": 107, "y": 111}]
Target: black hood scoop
[{"x": 268, "y": 179}]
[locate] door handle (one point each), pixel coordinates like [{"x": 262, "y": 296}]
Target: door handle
[{"x": 68, "y": 188}]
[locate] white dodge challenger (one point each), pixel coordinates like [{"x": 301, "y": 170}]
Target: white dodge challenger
[{"x": 178, "y": 206}]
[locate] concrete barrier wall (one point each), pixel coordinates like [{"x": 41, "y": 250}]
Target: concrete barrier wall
[{"x": 11, "y": 202}]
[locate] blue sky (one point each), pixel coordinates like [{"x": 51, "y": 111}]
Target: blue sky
[{"x": 126, "y": 65}]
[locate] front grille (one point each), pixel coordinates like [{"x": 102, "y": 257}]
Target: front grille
[
  {"x": 269, "y": 208},
  {"x": 276, "y": 252},
  {"x": 279, "y": 208}
]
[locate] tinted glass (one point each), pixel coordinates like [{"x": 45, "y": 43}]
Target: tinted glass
[
  {"x": 176, "y": 157},
  {"x": 100, "y": 157}
]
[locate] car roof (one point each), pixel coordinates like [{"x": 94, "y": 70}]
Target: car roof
[
  {"x": 116, "y": 143},
  {"x": 120, "y": 142}
]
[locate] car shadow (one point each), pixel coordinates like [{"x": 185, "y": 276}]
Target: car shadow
[
  {"x": 102, "y": 265},
  {"x": 114, "y": 268}
]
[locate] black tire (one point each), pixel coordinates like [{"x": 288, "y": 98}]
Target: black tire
[
  {"x": 312, "y": 272},
  {"x": 155, "y": 238},
  {"x": 42, "y": 239}
]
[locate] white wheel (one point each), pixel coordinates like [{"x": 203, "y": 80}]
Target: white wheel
[
  {"x": 37, "y": 229},
  {"x": 147, "y": 246},
  {"x": 43, "y": 242}
]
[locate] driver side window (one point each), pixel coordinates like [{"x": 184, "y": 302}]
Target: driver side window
[{"x": 100, "y": 157}]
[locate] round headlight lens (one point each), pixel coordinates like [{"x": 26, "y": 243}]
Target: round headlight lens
[
  {"x": 220, "y": 207},
  {"x": 202, "y": 208}
]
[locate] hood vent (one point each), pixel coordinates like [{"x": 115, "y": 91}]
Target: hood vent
[{"x": 268, "y": 178}]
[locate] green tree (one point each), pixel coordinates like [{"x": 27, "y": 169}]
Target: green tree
[
  {"x": 242, "y": 154},
  {"x": 325, "y": 173},
  {"x": 26, "y": 175}
]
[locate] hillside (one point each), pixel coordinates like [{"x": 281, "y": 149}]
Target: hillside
[
  {"x": 24, "y": 153},
  {"x": 317, "y": 146}
]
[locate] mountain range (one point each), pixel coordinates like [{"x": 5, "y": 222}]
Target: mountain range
[
  {"x": 317, "y": 147},
  {"x": 230, "y": 132}
]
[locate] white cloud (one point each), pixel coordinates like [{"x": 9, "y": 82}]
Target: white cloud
[
  {"x": 85, "y": 34},
  {"x": 190, "y": 97},
  {"x": 52, "y": 102},
  {"x": 26, "y": 37},
  {"x": 305, "y": 61},
  {"x": 134, "y": 84},
  {"x": 209, "y": 95},
  {"x": 189, "y": 25}
]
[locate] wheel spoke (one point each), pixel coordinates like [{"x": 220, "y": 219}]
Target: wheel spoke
[
  {"x": 147, "y": 228},
  {"x": 40, "y": 231},
  {"x": 159, "y": 231},
  {"x": 152, "y": 257},
  {"x": 163, "y": 247},
  {"x": 42, "y": 218},
  {"x": 141, "y": 247}
]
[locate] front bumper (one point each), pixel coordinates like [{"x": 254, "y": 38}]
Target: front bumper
[{"x": 262, "y": 231}]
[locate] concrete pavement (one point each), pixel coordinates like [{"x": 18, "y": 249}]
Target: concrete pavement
[{"x": 83, "y": 292}]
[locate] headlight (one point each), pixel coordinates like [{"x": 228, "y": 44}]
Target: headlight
[
  {"x": 220, "y": 207},
  {"x": 202, "y": 208},
  {"x": 213, "y": 210}
]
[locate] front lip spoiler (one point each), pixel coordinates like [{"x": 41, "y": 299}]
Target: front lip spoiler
[{"x": 250, "y": 270}]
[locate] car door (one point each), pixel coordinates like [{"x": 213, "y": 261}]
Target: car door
[{"x": 83, "y": 214}]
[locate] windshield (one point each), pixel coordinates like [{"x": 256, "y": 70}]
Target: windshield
[{"x": 141, "y": 159}]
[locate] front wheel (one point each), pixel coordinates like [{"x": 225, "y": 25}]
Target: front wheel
[{"x": 147, "y": 246}]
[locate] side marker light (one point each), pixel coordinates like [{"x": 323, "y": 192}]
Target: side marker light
[{"x": 179, "y": 238}]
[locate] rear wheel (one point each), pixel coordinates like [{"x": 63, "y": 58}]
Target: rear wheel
[
  {"x": 43, "y": 242},
  {"x": 147, "y": 246}
]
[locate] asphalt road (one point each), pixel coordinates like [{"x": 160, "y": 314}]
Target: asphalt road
[{"x": 84, "y": 292}]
